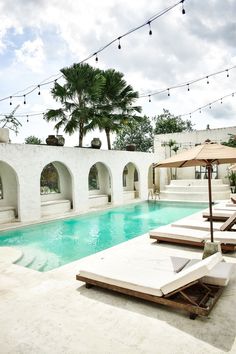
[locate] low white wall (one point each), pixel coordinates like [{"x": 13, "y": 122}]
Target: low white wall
[{"x": 27, "y": 162}]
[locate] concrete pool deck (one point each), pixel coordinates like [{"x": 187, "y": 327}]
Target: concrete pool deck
[{"x": 47, "y": 313}]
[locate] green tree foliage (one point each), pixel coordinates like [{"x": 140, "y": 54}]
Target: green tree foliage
[
  {"x": 78, "y": 97},
  {"x": 138, "y": 133},
  {"x": 231, "y": 142},
  {"x": 167, "y": 123},
  {"x": 33, "y": 140},
  {"x": 116, "y": 105}
]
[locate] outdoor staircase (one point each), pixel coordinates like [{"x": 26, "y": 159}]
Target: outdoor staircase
[{"x": 195, "y": 190}]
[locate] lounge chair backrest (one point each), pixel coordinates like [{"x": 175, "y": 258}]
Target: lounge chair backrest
[
  {"x": 227, "y": 225},
  {"x": 195, "y": 272},
  {"x": 233, "y": 200}
]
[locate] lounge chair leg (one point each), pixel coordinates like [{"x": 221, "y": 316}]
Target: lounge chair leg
[
  {"x": 88, "y": 286},
  {"x": 192, "y": 316}
]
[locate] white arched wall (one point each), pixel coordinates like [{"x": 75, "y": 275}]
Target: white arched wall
[
  {"x": 10, "y": 186},
  {"x": 28, "y": 162},
  {"x": 131, "y": 185},
  {"x": 103, "y": 177},
  {"x": 65, "y": 183}
]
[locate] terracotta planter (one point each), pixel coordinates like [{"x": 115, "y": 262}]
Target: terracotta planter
[
  {"x": 61, "y": 140},
  {"x": 52, "y": 140},
  {"x": 96, "y": 143}
]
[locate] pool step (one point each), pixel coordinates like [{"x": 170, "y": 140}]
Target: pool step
[
  {"x": 39, "y": 262},
  {"x": 26, "y": 260}
]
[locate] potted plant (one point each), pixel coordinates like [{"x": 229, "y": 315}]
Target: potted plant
[{"x": 232, "y": 181}]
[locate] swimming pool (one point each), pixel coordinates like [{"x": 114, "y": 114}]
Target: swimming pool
[{"x": 49, "y": 245}]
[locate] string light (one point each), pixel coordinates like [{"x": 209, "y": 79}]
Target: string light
[
  {"x": 39, "y": 93},
  {"x": 189, "y": 83},
  {"x": 150, "y": 30},
  {"x": 188, "y": 87},
  {"x": 27, "y": 119},
  {"x": 149, "y": 100},
  {"x": 96, "y": 57},
  {"x": 209, "y": 105},
  {"x": 183, "y": 10},
  {"x": 119, "y": 45},
  {"x": 227, "y": 72},
  {"x": 10, "y": 100},
  {"x": 168, "y": 90},
  {"x": 24, "y": 99},
  {"x": 152, "y": 19}
]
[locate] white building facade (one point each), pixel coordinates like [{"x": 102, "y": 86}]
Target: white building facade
[{"x": 184, "y": 141}]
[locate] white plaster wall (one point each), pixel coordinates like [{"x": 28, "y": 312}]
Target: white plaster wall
[
  {"x": 9, "y": 182},
  {"x": 186, "y": 140},
  {"x": 28, "y": 162}
]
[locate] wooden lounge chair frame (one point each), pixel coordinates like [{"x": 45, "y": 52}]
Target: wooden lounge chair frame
[
  {"x": 197, "y": 298},
  {"x": 225, "y": 247}
]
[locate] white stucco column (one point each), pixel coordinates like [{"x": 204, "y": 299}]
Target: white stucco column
[{"x": 29, "y": 199}]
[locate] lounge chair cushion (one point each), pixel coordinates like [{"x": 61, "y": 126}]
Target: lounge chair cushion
[
  {"x": 180, "y": 233},
  {"x": 178, "y": 263},
  {"x": 192, "y": 273},
  {"x": 219, "y": 275}
]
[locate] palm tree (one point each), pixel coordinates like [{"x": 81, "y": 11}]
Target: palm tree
[
  {"x": 116, "y": 105},
  {"x": 78, "y": 97}
]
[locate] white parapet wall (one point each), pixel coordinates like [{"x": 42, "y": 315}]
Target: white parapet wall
[{"x": 21, "y": 167}]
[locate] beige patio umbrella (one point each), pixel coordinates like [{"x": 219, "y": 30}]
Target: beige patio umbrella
[{"x": 207, "y": 154}]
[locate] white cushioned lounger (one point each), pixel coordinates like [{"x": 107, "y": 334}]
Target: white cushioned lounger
[
  {"x": 194, "y": 237},
  {"x": 200, "y": 224},
  {"x": 218, "y": 214},
  {"x": 184, "y": 290},
  {"x": 153, "y": 281},
  {"x": 180, "y": 233}
]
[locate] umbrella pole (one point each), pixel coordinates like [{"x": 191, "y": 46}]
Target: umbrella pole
[{"x": 209, "y": 167}]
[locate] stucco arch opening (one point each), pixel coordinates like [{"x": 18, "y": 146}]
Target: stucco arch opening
[
  {"x": 130, "y": 180},
  {"x": 9, "y": 193},
  {"x": 57, "y": 194},
  {"x": 99, "y": 185}
]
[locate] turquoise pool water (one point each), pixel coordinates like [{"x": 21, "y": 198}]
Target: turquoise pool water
[{"x": 50, "y": 245}]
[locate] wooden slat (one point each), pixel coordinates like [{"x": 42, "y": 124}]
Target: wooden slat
[{"x": 175, "y": 301}]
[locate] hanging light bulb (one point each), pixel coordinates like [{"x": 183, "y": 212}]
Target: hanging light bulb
[
  {"x": 119, "y": 45},
  {"x": 10, "y": 100},
  {"x": 24, "y": 99},
  {"x": 39, "y": 93},
  {"x": 221, "y": 101},
  {"x": 233, "y": 94},
  {"x": 149, "y": 98},
  {"x": 207, "y": 79},
  {"x": 183, "y": 10},
  {"x": 168, "y": 90},
  {"x": 96, "y": 57},
  {"x": 188, "y": 87},
  {"x": 150, "y": 30},
  {"x": 27, "y": 119},
  {"x": 210, "y": 105},
  {"x": 227, "y": 73},
  {"x": 200, "y": 111}
]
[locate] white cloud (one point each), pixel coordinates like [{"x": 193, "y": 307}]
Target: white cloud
[{"x": 31, "y": 55}]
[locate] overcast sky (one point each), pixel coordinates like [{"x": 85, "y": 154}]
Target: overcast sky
[{"x": 39, "y": 37}]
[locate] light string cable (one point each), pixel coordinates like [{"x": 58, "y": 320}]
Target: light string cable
[
  {"x": 208, "y": 105},
  {"x": 58, "y": 76},
  {"x": 187, "y": 84}
]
